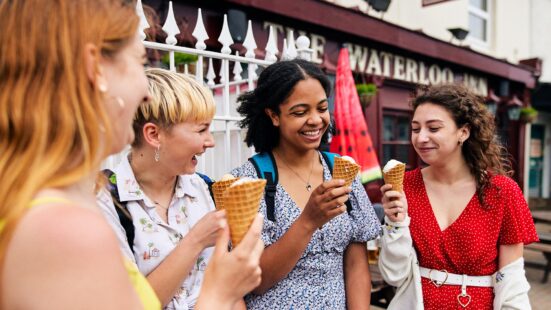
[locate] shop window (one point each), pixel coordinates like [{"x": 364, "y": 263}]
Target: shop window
[
  {"x": 396, "y": 142},
  {"x": 479, "y": 22}
]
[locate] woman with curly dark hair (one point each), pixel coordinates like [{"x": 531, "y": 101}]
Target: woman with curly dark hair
[
  {"x": 457, "y": 240},
  {"x": 315, "y": 255}
]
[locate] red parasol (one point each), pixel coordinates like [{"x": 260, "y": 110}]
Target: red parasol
[{"x": 352, "y": 137}]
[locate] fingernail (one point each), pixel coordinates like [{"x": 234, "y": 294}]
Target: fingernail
[{"x": 341, "y": 182}]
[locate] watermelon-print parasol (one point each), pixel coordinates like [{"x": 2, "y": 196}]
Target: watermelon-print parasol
[{"x": 351, "y": 137}]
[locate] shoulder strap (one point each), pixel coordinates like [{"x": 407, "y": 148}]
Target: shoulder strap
[
  {"x": 209, "y": 182},
  {"x": 330, "y": 160},
  {"x": 124, "y": 217},
  {"x": 264, "y": 164}
]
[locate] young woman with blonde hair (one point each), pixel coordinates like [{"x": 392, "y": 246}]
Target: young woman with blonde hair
[
  {"x": 71, "y": 79},
  {"x": 172, "y": 212}
]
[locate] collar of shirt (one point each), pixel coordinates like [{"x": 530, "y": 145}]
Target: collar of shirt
[{"x": 129, "y": 189}]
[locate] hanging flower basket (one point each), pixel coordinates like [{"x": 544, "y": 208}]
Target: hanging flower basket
[
  {"x": 366, "y": 92},
  {"x": 528, "y": 115}
]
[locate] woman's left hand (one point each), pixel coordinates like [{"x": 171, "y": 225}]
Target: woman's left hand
[{"x": 208, "y": 228}]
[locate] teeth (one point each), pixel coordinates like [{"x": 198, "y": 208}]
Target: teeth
[{"x": 311, "y": 133}]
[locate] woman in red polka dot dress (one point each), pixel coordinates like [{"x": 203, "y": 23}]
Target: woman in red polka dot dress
[{"x": 457, "y": 241}]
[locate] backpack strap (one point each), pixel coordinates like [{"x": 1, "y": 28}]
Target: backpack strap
[
  {"x": 209, "y": 182},
  {"x": 330, "y": 161},
  {"x": 264, "y": 164},
  {"x": 124, "y": 217}
]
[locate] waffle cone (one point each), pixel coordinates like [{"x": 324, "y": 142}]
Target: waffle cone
[
  {"x": 346, "y": 170},
  {"x": 218, "y": 189},
  {"x": 395, "y": 176},
  {"x": 241, "y": 203}
]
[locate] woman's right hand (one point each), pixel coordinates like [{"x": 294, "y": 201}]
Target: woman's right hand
[
  {"x": 326, "y": 202},
  {"x": 231, "y": 275},
  {"x": 394, "y": 203}
]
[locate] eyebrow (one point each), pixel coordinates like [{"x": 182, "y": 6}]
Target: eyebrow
[
  {"x": 305, "y": 105},
  {"x": 429, "y": 121}
]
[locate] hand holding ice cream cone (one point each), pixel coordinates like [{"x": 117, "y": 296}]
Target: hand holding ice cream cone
[{"x": 394, "y": 202}]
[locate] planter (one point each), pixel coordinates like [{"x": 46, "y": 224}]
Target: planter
[
  {"x": 528, "y": 118},
  {"x": 365, "y": 100}
]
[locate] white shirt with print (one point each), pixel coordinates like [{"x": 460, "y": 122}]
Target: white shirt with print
[{"x": 154, "y": 239}]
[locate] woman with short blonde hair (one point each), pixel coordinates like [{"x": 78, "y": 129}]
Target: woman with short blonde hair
[{"x": 172, "y": 213}]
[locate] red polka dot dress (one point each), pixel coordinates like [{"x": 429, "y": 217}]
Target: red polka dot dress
[{"x": 470, "y": 244}]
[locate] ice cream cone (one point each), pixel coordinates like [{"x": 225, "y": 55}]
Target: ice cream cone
[
  {"x": 218, "y": 189},
  {"x": 241, "y": 201},
  {"x": 345, "y": 169},
  {"x": 393, "y": 173}
]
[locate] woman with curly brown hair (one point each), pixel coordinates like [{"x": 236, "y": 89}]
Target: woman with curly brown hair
[{"x": 457, "y": 241}]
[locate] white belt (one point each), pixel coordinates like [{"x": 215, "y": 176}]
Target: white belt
[{"x": 443, "y": 277}]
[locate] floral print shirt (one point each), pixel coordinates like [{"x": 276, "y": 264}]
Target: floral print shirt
[
  {"x": 154, "y": 239},
  {"x": 317, "y": 280}
]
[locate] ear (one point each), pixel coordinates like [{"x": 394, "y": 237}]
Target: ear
[
  {"x": 93, "y": 67},
  {"x": 464, "y": 132},
  {"x": 273, "y": 116},
  {"x": 152, "y": 134}
]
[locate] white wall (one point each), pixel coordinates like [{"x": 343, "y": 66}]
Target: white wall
[
  {"x": 540, "y": 35},
  {"x": 512, "y": 28}
]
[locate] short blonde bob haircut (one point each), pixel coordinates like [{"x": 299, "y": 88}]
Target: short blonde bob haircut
[{"x": 174, "y": 98}]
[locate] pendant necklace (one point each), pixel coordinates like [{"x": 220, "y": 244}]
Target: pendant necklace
[{"x": 307, "y": 182}]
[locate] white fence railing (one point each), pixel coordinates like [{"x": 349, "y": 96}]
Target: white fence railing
[{"x": 230, "y": 150}]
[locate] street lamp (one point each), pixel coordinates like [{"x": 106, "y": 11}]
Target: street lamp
[
  {"x": 379, "y": 5},
  {"x": 513, "y": 108},
  {"x": 491, "y": 102}
]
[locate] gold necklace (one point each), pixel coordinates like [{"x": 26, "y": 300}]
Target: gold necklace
[
  {"x": 156, "y": 203},
  {"x": 307, "y": 182}
]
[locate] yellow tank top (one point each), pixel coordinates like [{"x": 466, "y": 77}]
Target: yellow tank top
[{"x": 145, "y": 292}]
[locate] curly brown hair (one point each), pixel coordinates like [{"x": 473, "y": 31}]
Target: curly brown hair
[{"x": 482, "y": 151}]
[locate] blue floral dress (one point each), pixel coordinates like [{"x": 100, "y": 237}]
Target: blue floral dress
[{"x": 317, "y": 280}]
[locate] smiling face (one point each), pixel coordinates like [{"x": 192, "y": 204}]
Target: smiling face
[
  {"x": 434, "y": 134},
  {"x": 182, "y": 143},
  {"x": 304, "y": 116},
  {"x": 127, "y": 88}
]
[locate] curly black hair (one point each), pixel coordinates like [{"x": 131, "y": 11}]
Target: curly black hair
[
  {"x": 275, "y": 84},
  {"x": 482, "y": 151}
]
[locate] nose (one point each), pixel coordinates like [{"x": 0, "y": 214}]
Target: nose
[
  {"x": 421, "y": 136},
  {"x": 315, "y": 118},
  {"x": 209, "y": 141}
]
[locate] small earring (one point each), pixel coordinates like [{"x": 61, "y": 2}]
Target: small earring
[
  {"x": 120, "y": 101},
  {"x": 102, "y": 84},
  {"x": 157, "y": 154},
  {"x": 460, "y": 142}
]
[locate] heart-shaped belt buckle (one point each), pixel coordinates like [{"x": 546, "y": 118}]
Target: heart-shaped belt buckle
[
  {"x": 436, "y": 282},
  {"x": 464, "y": 299}
]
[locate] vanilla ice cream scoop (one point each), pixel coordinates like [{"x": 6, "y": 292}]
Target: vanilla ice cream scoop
[
  {"x": 241, "y": 181},
  {"x": 391, "y": 164},
  {"x": 227, "y": 177},
  {"x": 350, "y": 159}
]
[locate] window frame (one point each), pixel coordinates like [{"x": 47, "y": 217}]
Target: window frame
[
  {"x": 413, "y": 158},
  {"x": 487, "y": 17}
]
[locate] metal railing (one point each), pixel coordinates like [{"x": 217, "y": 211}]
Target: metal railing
[{"x": 230, "y": 150}]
